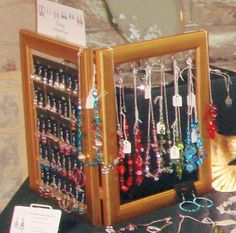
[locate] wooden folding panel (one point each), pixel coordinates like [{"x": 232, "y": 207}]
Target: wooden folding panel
[
  {"x": 106, "y": 59},
  {"x": 31, "y": 44}
]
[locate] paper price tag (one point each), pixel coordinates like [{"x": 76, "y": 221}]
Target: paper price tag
[
  {"x": 35, "y": 220},
  {"x": 161, "y": 128},
  {"x": 174, "y": 152},
  {"x": 147, "y": 92},
  {"x": 191, "y": 100},
  {"x": 177, "y": 101},
  {"x": 90, "y": 102},
  {"x": 127, "y": 147},
  {"x": 193, "y": 136}
]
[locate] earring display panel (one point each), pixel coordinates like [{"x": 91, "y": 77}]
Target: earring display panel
[
  {"x": 161, "y": 143},
  {"x": 59, "y": 150},
  {"x": 59, "y": 119}
]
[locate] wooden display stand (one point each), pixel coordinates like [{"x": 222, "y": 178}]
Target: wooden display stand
[{"x": 102, "y": 190}]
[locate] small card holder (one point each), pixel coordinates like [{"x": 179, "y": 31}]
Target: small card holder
[
  {"x": 34, "y": 219},
  {"x": 186, "y": 190}
]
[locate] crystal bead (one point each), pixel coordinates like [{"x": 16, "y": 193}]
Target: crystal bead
[
  {"x": 124, "y": 188},
  {"x": 105, "y": 170}
]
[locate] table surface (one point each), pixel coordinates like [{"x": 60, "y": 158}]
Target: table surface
[{"x": 76, "y": 224}]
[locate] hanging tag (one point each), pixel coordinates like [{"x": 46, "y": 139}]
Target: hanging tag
[
  {"x": 147, "y": 92},
  {"x": 177, "y": 100},
  {"x": 127, "y": 147},
  {"x": 191, "y": 100},
  {"x": 174, "y": 152},
  {"x": 90, "y": 101},
  {"x": 193, "y": 136},
  {"x": 161, "y": 128}
]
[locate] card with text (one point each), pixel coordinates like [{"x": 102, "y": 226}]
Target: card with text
[{"x": 61, "y": 22}]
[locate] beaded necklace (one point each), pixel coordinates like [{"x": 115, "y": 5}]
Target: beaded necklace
[
  {"x": 138, "y": 147},
  {"x": 194, "y": 152},
  {"x": 176, "y": 150},
  {"x": 151, "y": 129}
]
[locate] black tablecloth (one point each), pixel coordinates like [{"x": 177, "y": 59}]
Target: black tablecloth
[{"x": 76, "y": 224}]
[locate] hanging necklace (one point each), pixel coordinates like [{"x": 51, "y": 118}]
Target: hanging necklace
[
  {"x": 163, "y": 126},
  {"x": 92, "y": 102},
  {"x": 215, "y": 225},
  {"x": 138, "y": 147},
  {"x": 124, "y": 149},
  {"x": 176, "y": 151},
  {"x": 194, "y": 152},
  {"x": 151, "y": 129},
  {"x": 211, "y": 113}
]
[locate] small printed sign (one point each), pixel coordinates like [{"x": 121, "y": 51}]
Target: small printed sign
[
  {"x": 35, "y": 220},
  {"x": 61, "y": 22}
]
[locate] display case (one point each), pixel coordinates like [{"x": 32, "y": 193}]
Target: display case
[{"x": 78, "y": 103}]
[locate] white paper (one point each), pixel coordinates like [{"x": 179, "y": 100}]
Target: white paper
[
  {"x": 61, "y": 22},
  {"x": 127, "y": 147},
  {"x": 35, "y": 220},
  {"x": 177, "y": 100}
]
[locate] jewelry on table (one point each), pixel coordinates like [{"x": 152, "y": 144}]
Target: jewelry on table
[
  {"x": 150, "y": 227},
  {"x": 203, "y": 202},
  {"x": 193, "y": 205},
  {"x": 207, "y": 221},
  {"x": 224, "y": 207},
  {"x": 153, "y": 229}
]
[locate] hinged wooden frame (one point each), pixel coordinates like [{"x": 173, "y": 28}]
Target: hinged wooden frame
[
  {"x": 102, "y": 190},
  {"x": 29, "y": 42},
  {"x": 105, "y": 60}
]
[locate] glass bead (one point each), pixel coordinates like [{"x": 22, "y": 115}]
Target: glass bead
[
  {"x": 121, "y": 169},
  {"x": 180, "y": 145},
  {"x": 199, "y": 161},
  {"x": 130, "y": 162},
  {"x": 105, "y": 170},
  {"x": 139, "y": 180},
  {"x": 124, "y": 188}
]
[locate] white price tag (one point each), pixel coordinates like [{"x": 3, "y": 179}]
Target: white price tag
[
  {"x": 127, "y": 147},
  {"x": 90, "y": 101},
  {"x": 161, "y": 128},
  {"x": 147, "y": 92},
  {"x": 35, "y": 220},
  {"x": 193, "y": 136},
  {"x": 191, "y": 100},
  {"x": 174, "y": 152},
  {"x": 177, "y": 101}
]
